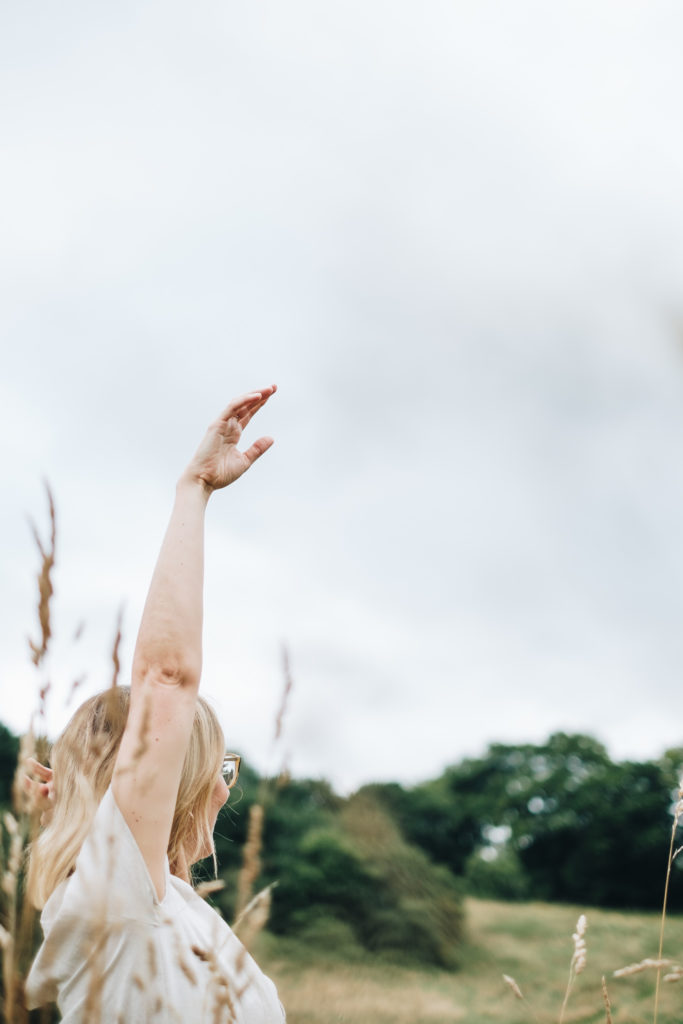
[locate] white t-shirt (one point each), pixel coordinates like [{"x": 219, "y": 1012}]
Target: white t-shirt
[{"x": 114, "y": 953}]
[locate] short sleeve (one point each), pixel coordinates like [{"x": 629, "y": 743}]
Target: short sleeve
[
  {"x": 110, "y": 890},
  {"x": 111, "y": 879},
  {"x": 114, "y": 952}
]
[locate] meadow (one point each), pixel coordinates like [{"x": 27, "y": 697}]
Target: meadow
[{"x": 529, "y": 941}]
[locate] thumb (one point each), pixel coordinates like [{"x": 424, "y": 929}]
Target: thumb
[{"x": 257, "y": 449}]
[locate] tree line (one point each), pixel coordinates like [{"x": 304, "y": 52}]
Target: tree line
[
  {"x": 387, "y": 868},
  {"x": 557, "y": 821}
]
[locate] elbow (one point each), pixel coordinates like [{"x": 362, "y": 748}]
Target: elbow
[{"x": 173, "y": 672}]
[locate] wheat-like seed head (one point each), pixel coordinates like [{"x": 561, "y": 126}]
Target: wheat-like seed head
[
  {"x": 251, "y": 863},
  {"x": 289, "y": 683},
  {"x": 513, "y": 986},
  {"x": 45, "y": 588},
  {"x": 205, "y": 889},
  {"x": 648, "y": 964},
  {"x": 605, "y": 999},
  {"x": 579, "y": 957}
]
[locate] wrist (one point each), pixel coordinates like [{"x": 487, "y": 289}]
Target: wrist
[{"x": 191, "y": 483}]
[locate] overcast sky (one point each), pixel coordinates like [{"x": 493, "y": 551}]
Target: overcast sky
[{"x": 452, "y": 233}]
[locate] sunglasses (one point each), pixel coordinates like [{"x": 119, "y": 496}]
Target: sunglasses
[{"x": 230, "y": 769}]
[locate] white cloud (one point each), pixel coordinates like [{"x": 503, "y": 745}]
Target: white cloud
[{"x": 453, "y": 236}]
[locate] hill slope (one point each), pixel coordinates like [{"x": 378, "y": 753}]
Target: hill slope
[{"x": 532, "y": 942}]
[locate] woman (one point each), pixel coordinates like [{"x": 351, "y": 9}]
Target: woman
[{"x": 137, "y": 789}]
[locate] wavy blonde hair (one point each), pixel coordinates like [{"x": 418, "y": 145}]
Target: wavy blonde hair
[{"x": 83, "y": 763}]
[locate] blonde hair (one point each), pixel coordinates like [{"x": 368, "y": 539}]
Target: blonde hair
[{"x": 83, "y": 763}]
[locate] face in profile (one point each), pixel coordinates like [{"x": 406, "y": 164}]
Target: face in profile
[{"x": 219, "y": 798}]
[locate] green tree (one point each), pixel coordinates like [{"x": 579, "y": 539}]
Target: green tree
[
  {"x": 582, "y": 828},
  {"x": 9, "y": 752},
  {"x": 444, "y": 817},
  {"x": 603, "y": 843}
]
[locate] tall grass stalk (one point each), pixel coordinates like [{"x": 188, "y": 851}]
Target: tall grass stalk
[
  {"x": 517, "y": 993},
  {"x": 578, "y": 960},
  {"x": 605, "y": 999},
  {"x": 21, "y": 826},
  {"x": 45, "y": 588},
  {"x": 673, "y": 852},
  {"x": 576, "y": 966},
  {"x": 251, "y": 912}
]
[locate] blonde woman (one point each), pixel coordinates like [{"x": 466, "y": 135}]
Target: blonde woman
[{"x": 136, "y": 784}]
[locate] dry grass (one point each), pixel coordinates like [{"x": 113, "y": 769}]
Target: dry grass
[
  {"x": 45, "y": 588},
  {"x": 251, "y": 866},
  {"x": 356, "y": 993},
  {"x": 531, "y": 942},
  {"x": 673, "y": 852}
]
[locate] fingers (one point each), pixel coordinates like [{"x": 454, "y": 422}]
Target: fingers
[
  {"x": 239, "y": 405},
  {"x": 251, "y": 410},
  {"x": 39, "y": 790},
  {"x": 42, "y": 790},
  {"x": 243, "y": 408},
  {"x": 247, "y": 403},
  {"x": 41, "y": 770},
  {"x": 244, "y": 419}
]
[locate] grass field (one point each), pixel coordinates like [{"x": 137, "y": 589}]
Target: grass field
[{"x": 532, "y": 942}]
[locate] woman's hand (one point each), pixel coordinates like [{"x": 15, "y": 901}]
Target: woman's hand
[
  {"x": 39, "y": 788},
  {"x": 218, "y": 461}
]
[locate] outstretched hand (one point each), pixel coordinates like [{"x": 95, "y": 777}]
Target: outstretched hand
[{"x": 218, "y": 461}]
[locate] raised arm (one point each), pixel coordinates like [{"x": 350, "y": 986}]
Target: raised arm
[{"x": 168, "y": 654}]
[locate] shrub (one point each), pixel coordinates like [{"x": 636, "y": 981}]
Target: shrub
[
  {"x": 417, "y": 907},
  {"x": 501, "y": 878}
]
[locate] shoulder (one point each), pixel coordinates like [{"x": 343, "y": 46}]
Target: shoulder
[{"x": 110, "y": 880}]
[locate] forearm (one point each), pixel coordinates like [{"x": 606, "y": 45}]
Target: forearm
[{"x": 169, "y": 643}]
